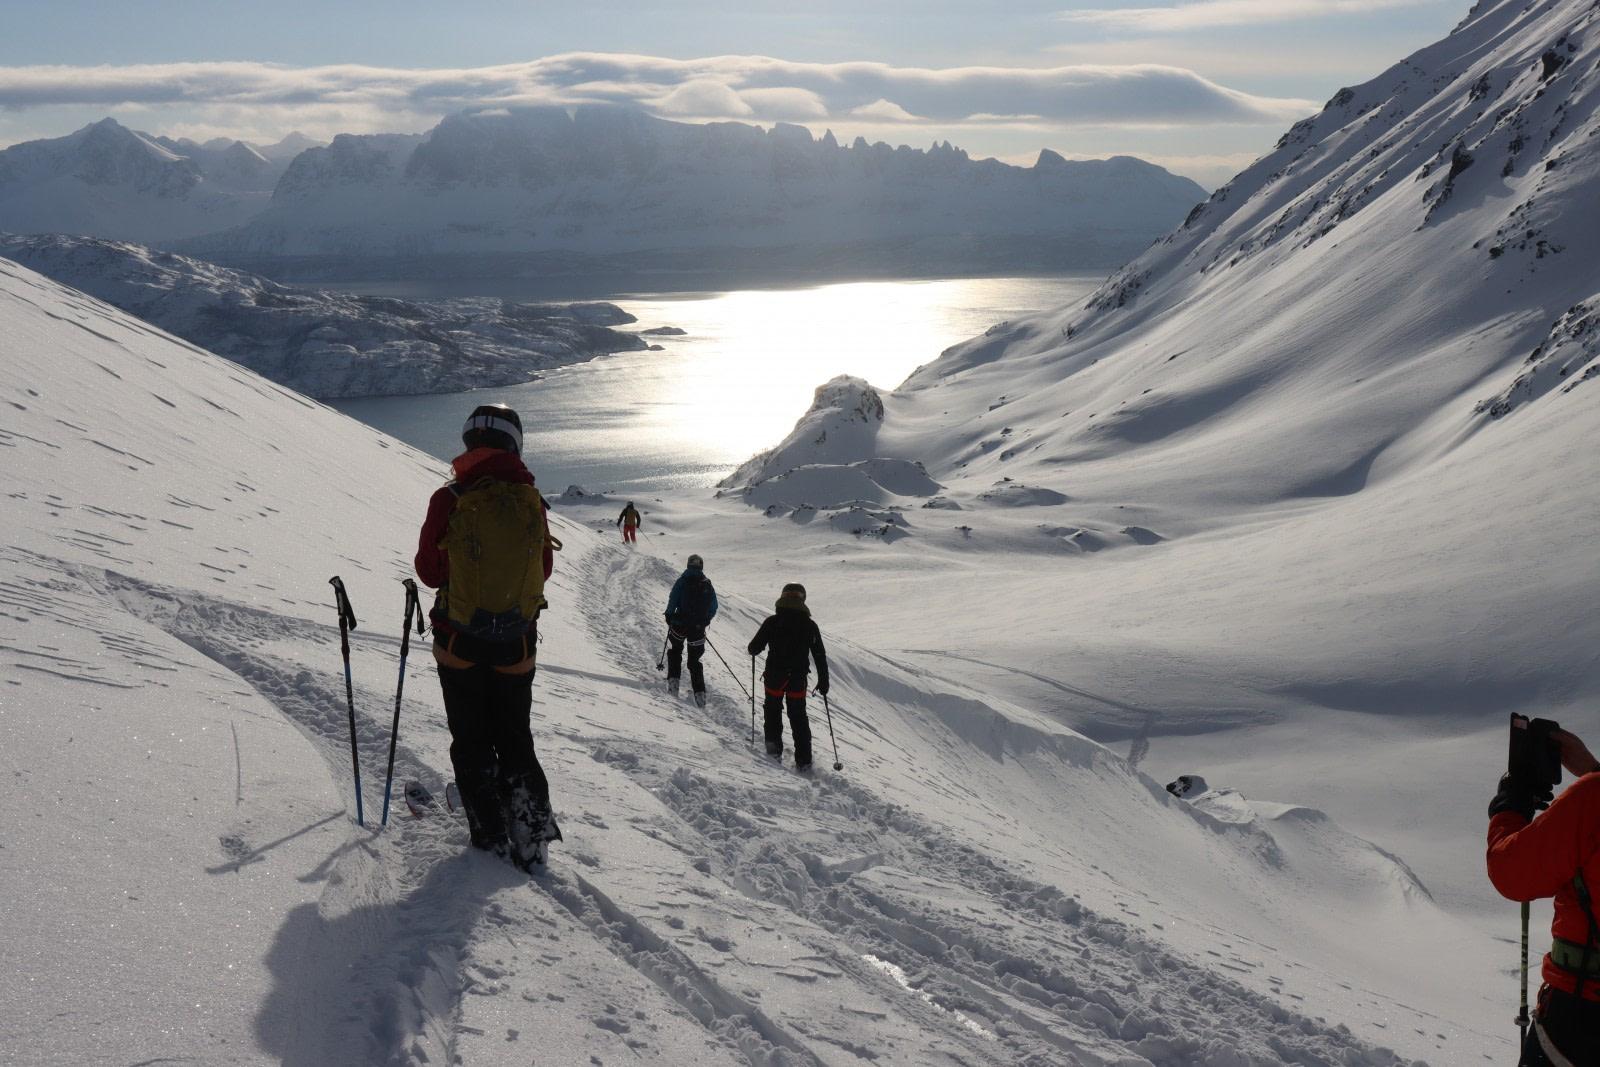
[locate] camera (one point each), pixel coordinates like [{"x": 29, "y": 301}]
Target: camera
[{"x": 1535, "y": 758}]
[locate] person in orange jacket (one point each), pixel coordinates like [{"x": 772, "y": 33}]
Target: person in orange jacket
[
  {"x": 630, "y": 521},
  {"x": 1556, "y": 854}
]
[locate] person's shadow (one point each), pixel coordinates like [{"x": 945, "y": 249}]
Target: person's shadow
[{"x": 361, "y": 974}]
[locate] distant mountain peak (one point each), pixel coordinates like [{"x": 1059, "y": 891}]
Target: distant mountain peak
[{"x": 612, "y": 180}]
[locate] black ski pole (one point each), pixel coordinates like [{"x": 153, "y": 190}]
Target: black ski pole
[
  {"x": 836, "y": 764},
  {"x": 413, "y": 605},
  {"x": 752, "y": 698},
  {"x": 661, "y": 660},
  {"x": 347, "y": 622},
  {"x": 1522, "y": 1016},
  {"x": 751, "y": 693}
]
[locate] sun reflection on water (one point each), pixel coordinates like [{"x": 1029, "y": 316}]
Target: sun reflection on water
[{"x": 734, "y": 383}]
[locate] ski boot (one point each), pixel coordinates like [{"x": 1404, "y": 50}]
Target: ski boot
[
  {"x": 672, "y": 688},
  {"x": 699, "y": 698}
]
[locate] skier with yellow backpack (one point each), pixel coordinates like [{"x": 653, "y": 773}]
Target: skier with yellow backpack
[{"x": 486, "y": 546}]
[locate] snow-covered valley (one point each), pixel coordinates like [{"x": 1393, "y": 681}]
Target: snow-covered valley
[{"x": 980, "y": 884}]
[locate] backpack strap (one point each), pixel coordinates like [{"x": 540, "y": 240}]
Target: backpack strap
[{"x": 1579, "y": 960}]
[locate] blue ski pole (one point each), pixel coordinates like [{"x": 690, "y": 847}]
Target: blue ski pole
[
  {"x": 347, "y": 622},
  {"x": 413, "y": 605}
]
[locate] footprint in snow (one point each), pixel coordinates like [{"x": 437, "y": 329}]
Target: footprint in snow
[{"x": 721, "y": 944}]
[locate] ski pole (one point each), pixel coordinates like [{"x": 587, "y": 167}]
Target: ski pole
[
  {"x": 661, "y": 660},
  {"x": 836, "y": 764},
  {"x": 736, "y": 681},
  {"x": 347, "y": 622},
  {"x": 413, "y": 605},
  {"x": 1522, "y": 1016},
  {"x": 752, "y": 699}
]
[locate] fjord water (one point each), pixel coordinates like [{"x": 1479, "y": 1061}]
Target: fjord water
[{"x": 732, "y": 384}]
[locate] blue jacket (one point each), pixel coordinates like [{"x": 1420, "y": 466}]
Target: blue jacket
[{"x": 675, "y": 603}]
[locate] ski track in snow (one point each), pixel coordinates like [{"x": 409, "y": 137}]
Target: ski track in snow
[
  {"x": 1055, "y": 979},
  {"x": 885, "y": 938}
]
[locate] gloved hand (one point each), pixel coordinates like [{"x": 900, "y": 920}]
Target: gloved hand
[
  {"x": 822, "y": 687},
  {"x": 1526, "y": 799}
]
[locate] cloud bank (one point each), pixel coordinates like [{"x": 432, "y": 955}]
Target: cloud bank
[
  {"x": 1206, "y": 14},
  {"x": 751, "y": 88}
]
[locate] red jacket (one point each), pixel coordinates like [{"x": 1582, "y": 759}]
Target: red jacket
[
  {"x": 1538, "y": 859},
  {"x": 432, "y": 562}
]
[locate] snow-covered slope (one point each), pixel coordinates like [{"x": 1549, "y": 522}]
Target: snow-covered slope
[
  {"x": 538, "y": 185},
  {"x": 106, "y": 180},
  {"x": 1356, "y": 381},
  {"x": 328, "y": 344},
  {"x": 980, "y": 885}
]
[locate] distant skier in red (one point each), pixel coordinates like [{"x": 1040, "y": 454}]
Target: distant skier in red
[{"x": 629, "y": 521}]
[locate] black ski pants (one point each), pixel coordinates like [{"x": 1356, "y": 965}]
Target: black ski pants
[
  {"x": 695, "y": 638},
  {"x": 1571, "y": 1024},
  {"x": 793, "y": 694},
  {"x": 491, "y": 748}
]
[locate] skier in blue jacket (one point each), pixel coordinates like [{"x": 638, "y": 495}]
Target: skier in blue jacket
[{"x": 690, "y": 608}]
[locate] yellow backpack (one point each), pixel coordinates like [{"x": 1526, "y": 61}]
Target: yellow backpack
[{"x": 495, "y": 541}]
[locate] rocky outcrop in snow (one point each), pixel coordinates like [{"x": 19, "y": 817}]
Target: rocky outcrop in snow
[
  {"x": 839, "y": 429},
  {"x": 827, "y": 466},
  {"x": 1565, "y": 359},
  {"x": 328, "y": 344},
  {"x": 613, "y": 188}
]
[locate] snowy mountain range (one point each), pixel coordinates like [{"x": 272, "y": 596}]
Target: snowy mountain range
[
  {"x": 109, "y": 181},
  {"x": 611, "y": 188},
  {"x": 328, "y": 344}
]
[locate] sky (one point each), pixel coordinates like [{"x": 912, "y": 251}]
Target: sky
[{"x": 1202, "y": 87}]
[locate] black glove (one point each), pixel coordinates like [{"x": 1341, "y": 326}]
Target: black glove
[
  {"x": 1526, "y": 799},
  {"x": 822, "y": 687}
]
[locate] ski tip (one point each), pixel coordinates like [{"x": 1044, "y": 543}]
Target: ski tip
[{"x": 418, "y": 799}]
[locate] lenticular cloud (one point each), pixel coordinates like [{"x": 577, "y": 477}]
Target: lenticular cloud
[{"x": 732, "y": 87}]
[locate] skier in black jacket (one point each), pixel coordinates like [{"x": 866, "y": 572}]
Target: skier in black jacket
[{"x": 793, "y": 640}]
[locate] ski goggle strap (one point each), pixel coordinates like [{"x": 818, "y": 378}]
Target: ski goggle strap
[{"x": 494, "y": 422}]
